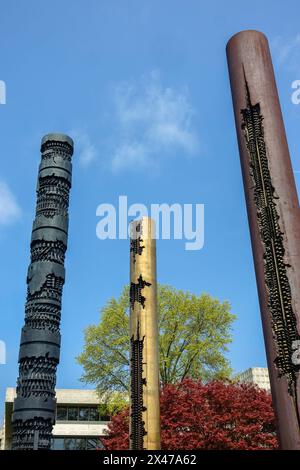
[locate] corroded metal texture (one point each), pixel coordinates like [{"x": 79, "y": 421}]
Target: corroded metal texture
[
  {"x": 274, "y": 219},
  {"x": 144, "y": 403},
  {"x": 34, "y": 407}
]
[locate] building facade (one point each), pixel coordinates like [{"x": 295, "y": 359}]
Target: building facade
[
  {"x": 256, "y": 375},
  {"x": 80, "y": 423},
  {"x": 2, "y": 438}
]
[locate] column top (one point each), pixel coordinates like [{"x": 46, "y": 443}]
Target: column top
[
  {"x": 144, "y": 225},
  {"x": 246, "y": 34},
  {"x": 56, "y": 136}
]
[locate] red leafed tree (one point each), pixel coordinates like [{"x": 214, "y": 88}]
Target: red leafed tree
[{"x": 209, "y": 416}]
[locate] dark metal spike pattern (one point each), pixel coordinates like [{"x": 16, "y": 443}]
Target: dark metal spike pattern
[
  {"x": 34, "y": 407},
  {"x": 137, "y": 424},
  {"x": 53, "y": 196},
  {"x": 136, "y": 247},
  {"x": 137, "y": 381},
  {"x": 136, "y": 292},
  {"x": 276, "y": 279}
]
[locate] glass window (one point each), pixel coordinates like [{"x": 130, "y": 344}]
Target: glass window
[
  {"x": 70, "y": 443},
  {"x": 72, "y": 414},
  {"x": 105, "y": 418},
  {"x": 76, "y": 443},
  {"x": 83, "y": 414},
  {"x": 93, "y": 444},
  {"x": 58, "y": 443},
  {"x": 80, "y": 443},
  {"x": 61, "y": 414},
  {"x": 103, "y": 413},
  {"x": 94, "y": 414}
]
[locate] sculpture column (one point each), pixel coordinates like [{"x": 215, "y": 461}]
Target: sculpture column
[
  {"x": 144, "y": 361},
  {"x": 34, "y": 407},
  {"x": 274, "y": 219}
]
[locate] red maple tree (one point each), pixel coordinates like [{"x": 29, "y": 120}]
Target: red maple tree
[{"x": 209, "y": 416}]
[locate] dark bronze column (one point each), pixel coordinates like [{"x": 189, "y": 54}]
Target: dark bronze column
[
  {"x": 34, "y": 407},
  {"x": 144, "y": 360},
  {"x": 274, "y": 219}
]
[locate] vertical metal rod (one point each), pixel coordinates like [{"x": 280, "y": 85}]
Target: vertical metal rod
[
  {"x": 274, "y": 220},
  {"x": 144, "y": 403},
  {"x": 34, "y": 406}
]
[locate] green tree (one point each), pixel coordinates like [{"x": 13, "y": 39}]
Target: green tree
[{"x": 194, "y": 335}]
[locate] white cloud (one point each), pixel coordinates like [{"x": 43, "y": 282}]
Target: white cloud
[
  {"x": 9, "y": 209},
  {"x": 287, "y": 52},
  {"x": 85, "y": 149},
  {"x": 149, "y": 122},
  {"x": 130, "y": 154},
  {"x": 153, "y": 122}
]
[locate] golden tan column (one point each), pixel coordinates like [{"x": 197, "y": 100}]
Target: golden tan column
[{"x": 144, "y": 403}]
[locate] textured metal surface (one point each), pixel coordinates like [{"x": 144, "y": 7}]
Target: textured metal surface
[
  {"x": 34, "y": 407},
  {"x": 144, "y": 404},
  {"x": 274, "y": 219}
]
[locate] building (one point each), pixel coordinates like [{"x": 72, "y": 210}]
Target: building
[
  {"x": 256, "y": 375},
  {"x": 79, "y": 420},
  {"x": 1, "y": 438}
]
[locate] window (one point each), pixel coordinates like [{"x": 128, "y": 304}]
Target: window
[
  {"x": 70, "y": 443},
  {"x": 58, "y": 443},
  {"x": 94, "y": 414},
  {"x": 105, "y": 418},
  {"x": 103, "y": 413},
  {"x": 61, "y": 414},
  {"x": 76, "y": 443},
  {"x": 84, "y": 414},
  {"x": 81, "y": 444},
  {"x": 93, "y": 444},
  {"x": 72, "y": 414}
]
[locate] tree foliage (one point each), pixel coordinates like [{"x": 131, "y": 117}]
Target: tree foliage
[
  {"x": 212, "y": 416},
  {"x": 194, "y": 332}
]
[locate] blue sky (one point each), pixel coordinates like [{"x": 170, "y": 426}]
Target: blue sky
[{"x": 143, "y": 88}]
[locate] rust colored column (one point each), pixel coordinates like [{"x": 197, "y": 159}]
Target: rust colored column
[{"x": 274, "y": 219}]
